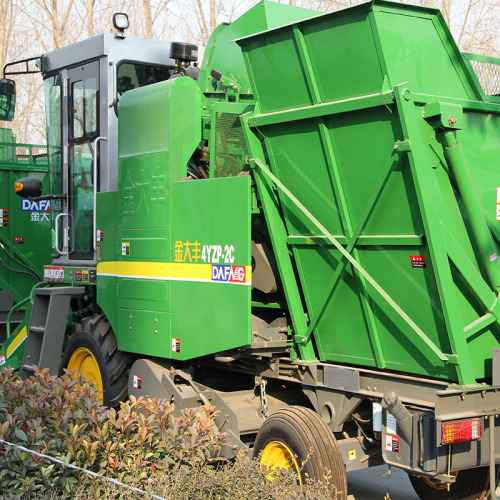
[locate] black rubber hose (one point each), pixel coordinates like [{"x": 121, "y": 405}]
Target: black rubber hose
[
  {"x": 31, "y": 271},
  {"x": 32, "y": 274}
]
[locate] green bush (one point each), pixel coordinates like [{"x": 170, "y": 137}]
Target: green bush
[
  {"x": 61, "y": 417},
  {"x": 142, "y": 445},
  {"x": 239, "y": 479}
]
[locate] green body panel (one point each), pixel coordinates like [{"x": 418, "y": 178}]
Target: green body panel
[
  {"x": 12, "y": 350},
  {"x": 167, "y": 118},
  {"x": 27, "y": 233},
  {"x": 108, "y": 251},
  {"x": 211, "y": 305},
  {"x": 153, "y": 284},
  {"x": 391, "y": 267}
]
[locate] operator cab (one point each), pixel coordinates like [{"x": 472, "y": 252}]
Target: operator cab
[{"x": 83, "y": 84}]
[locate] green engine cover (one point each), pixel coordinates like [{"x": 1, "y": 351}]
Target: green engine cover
[{"x": 176, "y": 283}]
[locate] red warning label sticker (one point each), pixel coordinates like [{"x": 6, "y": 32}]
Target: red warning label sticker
[
  {"x": 418, "y": 261},
  {"x": 137, "y": 382},
  {"x": 176, "y": 345},
  {"x": 392, "y": 443}
]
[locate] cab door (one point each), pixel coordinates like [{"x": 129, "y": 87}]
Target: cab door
[{"x": 83, "y": 158}]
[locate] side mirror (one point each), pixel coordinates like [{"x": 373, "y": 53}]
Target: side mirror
[
  {"x": 28, "y": 187},
  {"x": 7, "y": 99}
]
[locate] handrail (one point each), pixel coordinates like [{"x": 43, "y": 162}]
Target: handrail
[
  {"x": 94, "y": 180},
  {"x": 30, "y": 297}
]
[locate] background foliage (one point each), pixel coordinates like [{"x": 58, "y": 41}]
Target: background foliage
[{"x": 34, "y": 27}]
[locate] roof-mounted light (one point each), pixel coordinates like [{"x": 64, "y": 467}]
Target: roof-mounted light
[{"x": 120, "y": 22}]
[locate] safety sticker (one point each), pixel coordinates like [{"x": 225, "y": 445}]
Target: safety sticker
[
  {"x": 493, "y": 257},
  {"x": 392, "y": 443},
  {"x": 100, "y": 235},
  {"x": 2, "y": 359},
  {"x": 53, "y": 274},
  {"x": 4, "y": 212},
  {"x": 137, "y": 382},
  {"x": 176, "y": 345},
  {"x": 391, "y": 424},
  {"x": 18, "y": 240},
  {"x": 4, "y": 222},
  {"x": 126, "y": 248},
  {"x": 352, "y": 454},
  {"x": 78, "y": 275},
  {"x": 418, "y": 261}
]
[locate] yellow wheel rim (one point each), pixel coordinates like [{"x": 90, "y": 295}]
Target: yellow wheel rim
[
  {"x": 86, "y": 365},
  {"x": 438, "y": 486},
  {"x": 277, "y": 455}
]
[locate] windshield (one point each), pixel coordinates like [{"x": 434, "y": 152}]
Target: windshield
[
  {"x": 53, "y": 123},
  {"x": 132, "y": 75}
]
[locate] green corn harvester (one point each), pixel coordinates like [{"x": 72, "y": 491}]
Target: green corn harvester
[
  {"x": 304, "y": 234},
  {"x": 24, "y": 240}
]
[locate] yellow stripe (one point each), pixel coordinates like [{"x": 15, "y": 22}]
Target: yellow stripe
[
  {"x": 16, "y": 342},
  {"x": 191, "y": 271},
  {"x": 166, "y": 270}
]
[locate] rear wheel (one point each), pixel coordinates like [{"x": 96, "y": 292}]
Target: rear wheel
[
  {"x": 92, "y": 350},
  {"x": 297, "y": 438},
  {"x": 470, "y": 484}
]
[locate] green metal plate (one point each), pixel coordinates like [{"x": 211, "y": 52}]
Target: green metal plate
[
  {"x": 210, "y": 251},
  {"x": 415, "y": 299}
]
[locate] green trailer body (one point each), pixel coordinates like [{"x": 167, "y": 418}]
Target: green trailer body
[{"x": 379, "y": 212}]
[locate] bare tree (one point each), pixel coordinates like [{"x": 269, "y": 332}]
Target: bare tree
[
  {"x": 148, "y": 21},
  {"x": 6, "y": 27},
  {"x": 34, "y": 28},
  {"x": 57, "y": 15},
  {"x": 446, "y": 11}
]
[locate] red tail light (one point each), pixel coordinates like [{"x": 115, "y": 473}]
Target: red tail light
[{"x": 460, "y": 430}]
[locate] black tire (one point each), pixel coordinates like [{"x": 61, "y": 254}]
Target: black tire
[
  {"x": 310, "y": 440},
  {"x": 95, "y": 337},
  {"x": 470, "y": 484}
]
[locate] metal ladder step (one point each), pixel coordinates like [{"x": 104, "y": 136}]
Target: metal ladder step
[{"x": 47, "y": 328}]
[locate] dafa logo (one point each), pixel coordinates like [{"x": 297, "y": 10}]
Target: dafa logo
[{"x": 35, "y": 206}]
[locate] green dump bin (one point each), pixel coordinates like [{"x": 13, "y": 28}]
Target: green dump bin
[{"x": 385, "y": 152}]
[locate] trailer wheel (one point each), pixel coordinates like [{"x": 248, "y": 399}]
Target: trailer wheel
[
  {"x": 297, "y": 438},
  {"x": 470, "y": 484},
  {"x": 93, "y": 350}
]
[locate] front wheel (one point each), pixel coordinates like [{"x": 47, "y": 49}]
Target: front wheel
[
  {"x": 470, "y": 484},
  {"x": 92, "y": 350},
  {"x": 297, "y": 438}
]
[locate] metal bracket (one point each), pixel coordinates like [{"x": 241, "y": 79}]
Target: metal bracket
[
  {"x": 402, "y": 146},
  {"x": 450, "y": 116}
]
